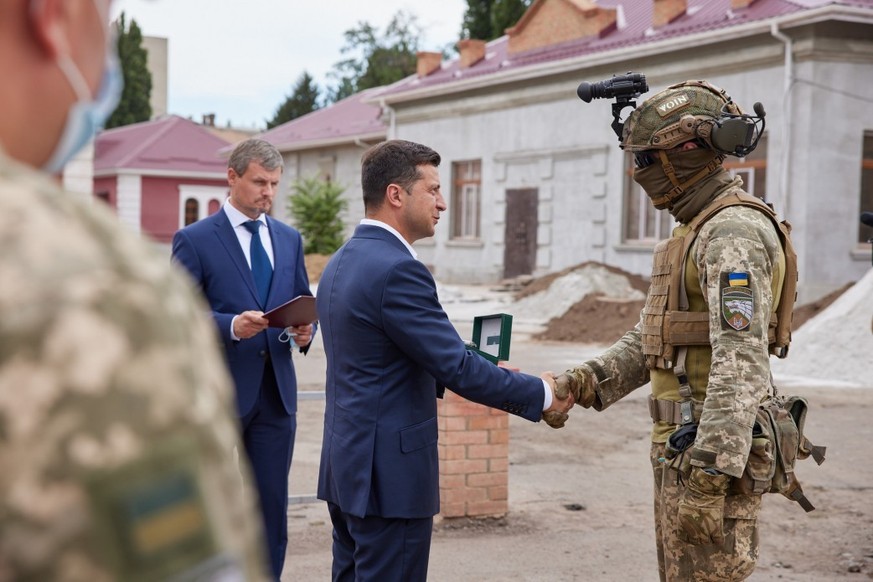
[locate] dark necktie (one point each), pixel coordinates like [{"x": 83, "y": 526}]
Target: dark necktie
[{"x": 262, "y": 270}]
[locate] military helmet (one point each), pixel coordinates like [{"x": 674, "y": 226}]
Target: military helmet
[{"x": 677, "y": 114}]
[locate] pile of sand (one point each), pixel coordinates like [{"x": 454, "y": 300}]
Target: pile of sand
[
  {"x": 572, "y": 286},
  {"x": 595, "y": 303},
  {"x": 835, "y": 347}
]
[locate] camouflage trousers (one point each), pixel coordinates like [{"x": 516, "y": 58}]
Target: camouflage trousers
[{"x": 681, "y": 561}]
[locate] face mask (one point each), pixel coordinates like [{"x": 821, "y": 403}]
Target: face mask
[
  {"x": 87, "y": 115},
  {"x": 686, "y": 164}
]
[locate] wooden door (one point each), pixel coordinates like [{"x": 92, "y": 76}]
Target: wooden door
[{"x": 520, "y": 248}]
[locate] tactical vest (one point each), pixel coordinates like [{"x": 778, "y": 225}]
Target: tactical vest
[{"x": 666, "y": 322}]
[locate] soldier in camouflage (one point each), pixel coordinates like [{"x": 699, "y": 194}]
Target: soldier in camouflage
[
  {"x": 116, "y": 423},
  {"x": 702, "y": 339}
]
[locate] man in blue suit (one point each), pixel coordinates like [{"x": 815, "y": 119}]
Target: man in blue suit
[
  {"x": 390, "y": 349},
  {"x": 246, "y": 263}
]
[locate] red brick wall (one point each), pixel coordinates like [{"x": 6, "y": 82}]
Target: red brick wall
[
  {"x": 557, "y": 21},
  {"x": 474, "y": 459},
  {"x": 666, "y": 11}
]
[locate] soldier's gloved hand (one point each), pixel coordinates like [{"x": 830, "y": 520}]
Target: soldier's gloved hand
[
  {"x": 701, "y": 508},
  {"x": 581, "y": 383},
  {"x": 555, "y": 418},
  {"x": 562, "y": 401}
]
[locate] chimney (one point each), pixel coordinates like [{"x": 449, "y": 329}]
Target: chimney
[
  {"x": 548, "y": 23},
  {"x": 472, "y": 51},
  {"x": 737, "y": 4},
  {"x": 666, "y": 11},
  {"x": 209, "y": 119},
  {"x": 428, "y": 62}
]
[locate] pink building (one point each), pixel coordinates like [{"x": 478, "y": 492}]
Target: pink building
[{"x": 160, "y": 175}]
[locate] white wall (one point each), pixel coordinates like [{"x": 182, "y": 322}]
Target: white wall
[
  {"x": 156, "y": 63},
  {"x": 129, "y": 201},
  {"x": 78, "y": 174},
  {"x": 347, "y": 173}
]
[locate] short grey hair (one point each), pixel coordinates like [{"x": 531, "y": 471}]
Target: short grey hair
[{"x": 254, "y": 150}]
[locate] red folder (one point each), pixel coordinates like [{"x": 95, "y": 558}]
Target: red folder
[{"x": 298, "y": 311}]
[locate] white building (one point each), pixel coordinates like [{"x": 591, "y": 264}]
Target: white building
[{"x": 535, "y": 179}]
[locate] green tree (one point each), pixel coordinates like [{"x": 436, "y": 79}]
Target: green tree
[
  {"x": 477, "y": 20},
  {"x": 316, "y": 206},
  {"x": 489, "y": 19},
  {"x": 134, "y": 105},
  {"x": 303, "y": 99},
  {"x": 376, "y": 60}
]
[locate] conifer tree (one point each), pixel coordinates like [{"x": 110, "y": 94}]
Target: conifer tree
[
  {"x": 135, "y": 104},
  {"x": 303, "y": 99}
]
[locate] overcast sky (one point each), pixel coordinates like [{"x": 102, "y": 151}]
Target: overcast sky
[{"x": 240, "y": 60}]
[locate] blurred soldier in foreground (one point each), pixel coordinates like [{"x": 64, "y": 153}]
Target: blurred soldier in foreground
[
  {"x": 716, "y": 292},
  {"x": 116, "y": 425}
]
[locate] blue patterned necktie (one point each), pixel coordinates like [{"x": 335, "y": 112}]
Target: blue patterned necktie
[{"x": 262, "y": 270}]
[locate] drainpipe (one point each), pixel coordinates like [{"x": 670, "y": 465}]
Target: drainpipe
[
  {"x": 392, "y": 125},
  {"x": 787, "y": 114}
]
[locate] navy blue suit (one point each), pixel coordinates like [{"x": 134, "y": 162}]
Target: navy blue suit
[
  {"x": 261, "y": 366},
  {"x": 389, "y": 346}
]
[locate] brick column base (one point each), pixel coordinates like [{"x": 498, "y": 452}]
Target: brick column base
[{"x": 474, "y": 458}]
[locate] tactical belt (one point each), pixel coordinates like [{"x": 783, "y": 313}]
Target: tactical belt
[{"x": 669, "y": 410}]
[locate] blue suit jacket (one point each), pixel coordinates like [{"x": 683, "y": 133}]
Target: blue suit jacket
[
  {"x": 389, "y": 344},
  {"x": 210, "y": 251}
]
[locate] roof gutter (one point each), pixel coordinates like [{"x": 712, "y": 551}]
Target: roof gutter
[
  {"x": 607, "y": 57},
  {"x": 336, "y": 141},
  {"x": 786, "y": 115},
  {"x": 155, "y": 173}
]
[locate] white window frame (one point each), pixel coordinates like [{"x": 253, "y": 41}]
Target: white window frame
[{"x": 203, "y": 195}]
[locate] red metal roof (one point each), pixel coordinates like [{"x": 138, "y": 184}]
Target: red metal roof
[
  {"x": 343, "y": 121},
  {"x": 634, "y": 29},
  {"x": 170, "y": 144}
]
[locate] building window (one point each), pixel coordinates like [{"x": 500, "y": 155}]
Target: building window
[
  {"x": 466, "y": 199},
  {"x": 865, "y": 233},
  {"x": 196, "y": 202},
  {"x": 192, "y": 211},
  {"x": 752, "y": 169},
  {"x": 643, "y": 223}
]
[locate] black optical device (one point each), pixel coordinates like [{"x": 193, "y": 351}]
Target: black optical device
[
  {"x": 735, "y": 134},
  {"x": 624, "y": 88}
]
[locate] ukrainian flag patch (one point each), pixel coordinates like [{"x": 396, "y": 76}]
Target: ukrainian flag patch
[
  {"x": 738, "y": 279},
  {"x": 737, "y": 301}
]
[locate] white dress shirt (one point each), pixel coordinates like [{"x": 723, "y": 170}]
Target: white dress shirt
[{"x": 243, "y": 235}]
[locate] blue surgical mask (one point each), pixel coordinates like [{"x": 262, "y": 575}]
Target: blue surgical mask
[{"x": 88, "y": 114}]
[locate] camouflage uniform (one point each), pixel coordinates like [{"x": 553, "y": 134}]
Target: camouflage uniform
[
  {"x": 728, "y": 379},
  {"x": 116, "y": 426}
]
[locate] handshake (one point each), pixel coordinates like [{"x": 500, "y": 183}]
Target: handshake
[{"x": 568, "y": 389}]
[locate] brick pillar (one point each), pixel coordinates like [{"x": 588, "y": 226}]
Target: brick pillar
[{"x": 474, "y": 459}]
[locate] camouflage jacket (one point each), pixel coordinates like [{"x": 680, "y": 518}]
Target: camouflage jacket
[
  {"x": 116, "y": 425},
  {"x": 736, "y": 366}
]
